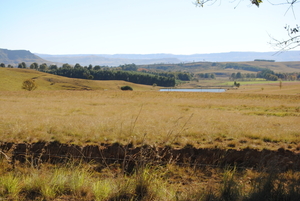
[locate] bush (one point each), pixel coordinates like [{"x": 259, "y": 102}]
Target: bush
[
  {"x": 124, "y": 88},
  {"x": 29, "y": 85}
]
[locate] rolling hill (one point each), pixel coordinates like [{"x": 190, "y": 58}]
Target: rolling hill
[{"x": 11, "y": 79}]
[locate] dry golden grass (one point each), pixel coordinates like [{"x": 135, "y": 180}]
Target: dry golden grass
[
  {"x": 225, "y": 120},
  {"x": 270, "y": 87}
]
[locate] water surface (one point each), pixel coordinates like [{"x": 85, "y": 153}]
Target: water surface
[{"x": 194, "y": 90}]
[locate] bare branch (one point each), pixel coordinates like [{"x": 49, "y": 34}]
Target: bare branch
[{"x": 293, "y": 40}]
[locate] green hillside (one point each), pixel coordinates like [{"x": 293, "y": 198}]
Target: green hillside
[{"x": 11, "y": 79}]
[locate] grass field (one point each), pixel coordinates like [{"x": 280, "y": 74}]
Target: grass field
[
  {"x": 178, "y": 118},
  {"x": 262, "y": 115},
  {"x": 11, "y": 79},
  {"x": 246, "y": 118}
]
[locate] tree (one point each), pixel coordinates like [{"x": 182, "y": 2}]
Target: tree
[
  {"x": 293, "y": 32},
  {"x": 129, "y": 67},
  {"x": 29, "y": 85},
  {"x": 22, "y": 65},
  {"x": 236, "y": 84},
  {"x": 2, "y": 65},
  {"x": 34, "y": 66},
  {"x": 233, "y": 76},
  {"x": 202, "y": 2},
  {"x": 293, "y": 40},
  {"x": 66, "y": 65},
  {"x": 53, "y": 67},
  {"x": 238, "y": 75},
  {"x": 97, "y": 67},
  {"x": 77, "y": 65},
  {"x": 43, "y": 67}
]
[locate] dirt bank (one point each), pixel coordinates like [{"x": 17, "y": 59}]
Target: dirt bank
[{"x": 130, "y": 156}]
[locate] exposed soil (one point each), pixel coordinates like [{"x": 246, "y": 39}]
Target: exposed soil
[{"x": 129, "y": 156}]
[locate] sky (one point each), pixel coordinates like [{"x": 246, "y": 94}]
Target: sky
[{"x": 142, "y": 27}]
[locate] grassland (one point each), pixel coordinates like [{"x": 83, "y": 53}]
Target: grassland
[
  {"x": 157, "y": 117},
  {"x": 11, "y": 80},
  {"x": 247, "y": 118}
]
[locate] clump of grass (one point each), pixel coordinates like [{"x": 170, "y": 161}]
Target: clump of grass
[
  {"x": 229, "y": 190},
  {"x": 272, "y": 187},
  {"x": 102, "y": 189},
  {"x": 10, "y": 185},
  {"x": 78, "y": 181},
  {"x": 267, "y": 139}
]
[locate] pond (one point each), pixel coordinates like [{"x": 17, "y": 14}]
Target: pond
[{"x": 194, "y": 90}]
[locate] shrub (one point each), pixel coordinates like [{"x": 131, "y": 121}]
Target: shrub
[
  {"x": 29, "y": 85},
  {"x": 124, "y": 88}
]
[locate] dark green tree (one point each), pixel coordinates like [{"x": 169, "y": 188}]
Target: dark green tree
[
  {"x": 2, "y": 65},
  {"x": 233, "y": 76},
  {"x": 53, "y": 67},
  {"x": 263, "y": 73},
  {"x": 66, "y": 65},
  {"x": 22, "y": 65},
  {"x": 236, "y": 84},
  {"x": 43, "y": 67},
  {"x": 34, "y": 66},
  {"x": 97, "y": 67},
  {"x": 77, "y": 66},
  {"x": 129, "y": 67}
]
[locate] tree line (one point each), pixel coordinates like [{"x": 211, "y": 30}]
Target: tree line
[
  {"x": 125, "y": 72},
  {"x": 265, "y": 74},
  {"x": 243, "y": 67}
]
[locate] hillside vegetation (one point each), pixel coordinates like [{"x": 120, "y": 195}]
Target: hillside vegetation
[
  {"x": 11, "y": 80},
  {"x": 195, "y": 67}
]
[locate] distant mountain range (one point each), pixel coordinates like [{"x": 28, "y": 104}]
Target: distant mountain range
[
  {"x": 14, "y": 57},
  {"x": 139, "y": 59}
]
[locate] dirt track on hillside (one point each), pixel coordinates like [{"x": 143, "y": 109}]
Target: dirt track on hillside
[{"x": 130, "y": 156}]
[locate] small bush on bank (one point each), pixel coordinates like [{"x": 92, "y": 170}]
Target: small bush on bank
[{"x": 126, "y": 88}]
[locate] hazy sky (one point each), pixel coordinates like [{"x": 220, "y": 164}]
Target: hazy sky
[{"x": 141, "y": 26}]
